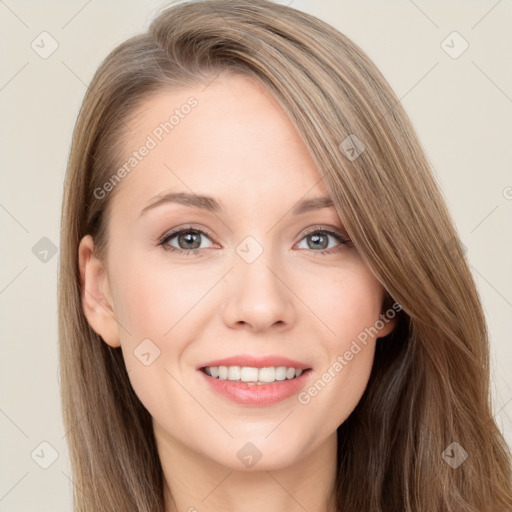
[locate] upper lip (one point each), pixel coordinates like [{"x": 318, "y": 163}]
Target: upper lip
[{"x": 256, "y": 362}]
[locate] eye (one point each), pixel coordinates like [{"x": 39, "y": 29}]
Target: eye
[
  {"x": 320, "y": 239},
  {"x": 188, "y": 240}
]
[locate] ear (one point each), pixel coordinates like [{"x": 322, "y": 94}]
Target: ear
[
  {"x": 388, "y": 316},
  {"x": 389, "y": 325},
  {"x": 97, "y": 301}
]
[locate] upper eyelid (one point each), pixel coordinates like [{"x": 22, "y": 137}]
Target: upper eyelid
[
  {"x": 172, "y": 233},
  {"x": 329, "y": 230}
]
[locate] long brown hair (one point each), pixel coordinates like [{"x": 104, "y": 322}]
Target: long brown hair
[{"x": 429, "y": 385}]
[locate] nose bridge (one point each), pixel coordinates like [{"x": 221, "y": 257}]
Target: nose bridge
[{"x": 257, "y": 294}]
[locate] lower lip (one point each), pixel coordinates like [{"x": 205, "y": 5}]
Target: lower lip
[{"x": 258, "y": 395}]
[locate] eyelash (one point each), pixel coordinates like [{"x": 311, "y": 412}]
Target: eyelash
[{"x": 196, "y": 252}]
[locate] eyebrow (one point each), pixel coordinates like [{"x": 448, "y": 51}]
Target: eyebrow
[{"x": 211, "y": 204}]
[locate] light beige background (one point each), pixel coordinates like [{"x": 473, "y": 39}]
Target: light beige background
[{"x": 461, "y": 108}]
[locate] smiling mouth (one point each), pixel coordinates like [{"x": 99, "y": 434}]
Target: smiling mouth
[{"x": 253, "y": 375}]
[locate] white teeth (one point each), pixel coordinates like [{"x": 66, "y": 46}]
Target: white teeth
[
  {"x": 233, "y": 372},
  {"x": 267, "y": 374},
  {"x": 251, "y": 374},
  {"x": 281, "y": 373}
]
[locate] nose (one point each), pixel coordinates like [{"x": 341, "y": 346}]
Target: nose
[{"x": 258, "y": 295}]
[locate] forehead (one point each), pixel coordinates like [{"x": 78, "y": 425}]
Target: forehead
[{"x": 228, "y": 138}]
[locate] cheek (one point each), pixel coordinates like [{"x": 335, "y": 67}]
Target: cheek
[
  {"x": 352, "y": 304},
  {"x": 150, "y": 304},
  {"x": 349, "y": 304},
  {"x": 159, "y": 307},
  {"x": 151, "y": 301}
]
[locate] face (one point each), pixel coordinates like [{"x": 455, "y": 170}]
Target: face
[{"x": 187, "y": 283}]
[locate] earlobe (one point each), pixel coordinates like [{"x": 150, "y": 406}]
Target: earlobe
[
  {"x": 388, "y": 327},
  {"x": 96, "y": 297},
  {"x": 388, "y": 318}
]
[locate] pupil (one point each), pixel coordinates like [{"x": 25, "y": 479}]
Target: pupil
[
  {"x": 316, "y": 238},
  {"x": 188, "y": 237}
]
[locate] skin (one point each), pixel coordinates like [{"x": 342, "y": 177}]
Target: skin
[{"x": 238, "y": 146}]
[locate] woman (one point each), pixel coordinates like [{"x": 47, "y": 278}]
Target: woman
[{"x": 212, "y": 358}]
